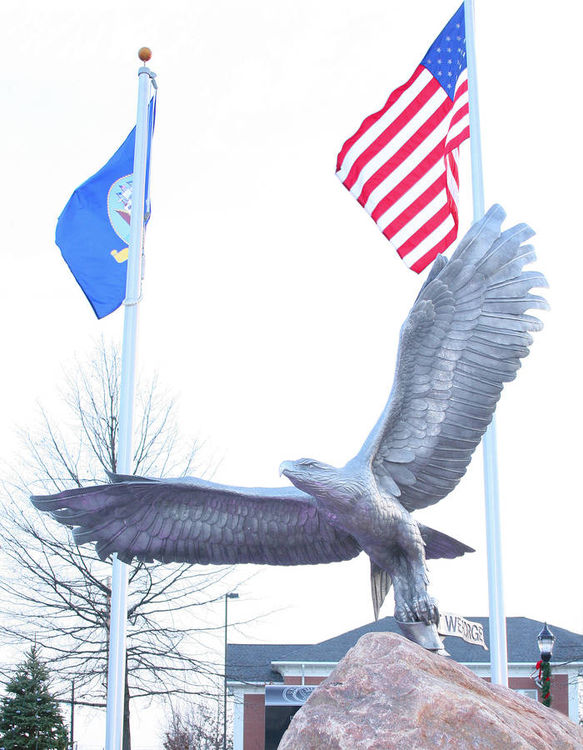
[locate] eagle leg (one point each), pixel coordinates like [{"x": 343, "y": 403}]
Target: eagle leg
[{"x": 412, "y": 601}]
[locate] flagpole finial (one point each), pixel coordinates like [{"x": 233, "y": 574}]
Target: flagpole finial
[{"x": 144, "y": 53}]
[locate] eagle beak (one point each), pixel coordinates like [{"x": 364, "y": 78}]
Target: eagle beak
[{"x": 284, "y": 467}]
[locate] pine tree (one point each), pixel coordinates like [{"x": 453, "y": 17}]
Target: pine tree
[{"x": 30, "y": 718}]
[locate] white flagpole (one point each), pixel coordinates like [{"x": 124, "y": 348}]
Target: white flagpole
[
  {"x": 119, "y": 578},
  {"x": 498, "y": 646}
]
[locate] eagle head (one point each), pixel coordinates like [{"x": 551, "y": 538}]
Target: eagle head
[{"x": 317, "y": 478}]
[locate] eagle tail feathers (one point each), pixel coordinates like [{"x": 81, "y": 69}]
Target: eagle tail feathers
[
  {"x": 439, "y": 545},
  {"x": 380, "y": 584}
]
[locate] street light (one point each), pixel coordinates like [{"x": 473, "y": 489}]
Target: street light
[
  {"x": 227, "y": 597},
  {"x": 72, "y": 743},
  {"x": 546, "y": 641}
]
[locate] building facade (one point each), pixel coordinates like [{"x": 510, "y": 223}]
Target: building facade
[{"x": 253, "y": 667}]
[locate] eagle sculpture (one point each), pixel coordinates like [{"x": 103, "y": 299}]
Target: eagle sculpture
[{"x": 462, "y": 340}]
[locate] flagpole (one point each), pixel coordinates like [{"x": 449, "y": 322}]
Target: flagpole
[
  {"x": 498, "y": 645},
  {"x": 119, "y": 579}
]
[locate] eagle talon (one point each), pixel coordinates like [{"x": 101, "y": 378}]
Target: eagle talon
[
  {"x": 403, "y": 613},
  {"x": 426, "y": 610}
]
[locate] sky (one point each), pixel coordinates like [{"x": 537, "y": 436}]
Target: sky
[{"x": 271, "y": 302}]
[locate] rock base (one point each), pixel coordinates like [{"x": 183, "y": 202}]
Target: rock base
[{"x": 388, "y": 693}]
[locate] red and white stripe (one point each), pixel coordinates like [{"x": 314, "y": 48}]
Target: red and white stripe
[{"x": 402, "y": 166}]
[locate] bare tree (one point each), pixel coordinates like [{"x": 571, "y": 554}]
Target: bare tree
[
  {"x": 198, "y": 727},
  {"x": 57, "y": 593}
]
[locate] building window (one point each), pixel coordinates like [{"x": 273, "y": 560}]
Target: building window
[{"x": 530, "y": 693}]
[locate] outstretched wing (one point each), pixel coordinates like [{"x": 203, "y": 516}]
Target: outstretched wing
[
  {"x": 462, "y": 340},
  {"x": 194, "y": 521}
]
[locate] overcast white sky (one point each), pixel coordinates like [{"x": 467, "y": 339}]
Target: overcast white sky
[{"x": 272, "y": 303}]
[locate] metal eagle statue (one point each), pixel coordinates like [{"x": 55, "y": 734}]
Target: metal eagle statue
[{"x": 462, "y": 340}]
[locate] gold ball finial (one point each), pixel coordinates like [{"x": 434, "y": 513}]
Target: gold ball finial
[{"x": 144, "y": 53}]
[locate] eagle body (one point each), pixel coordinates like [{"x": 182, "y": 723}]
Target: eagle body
[
  {"x": 360, "y": 508},
  {"x": 350, "y": 499},
  {"x": 463, "y": 339}
]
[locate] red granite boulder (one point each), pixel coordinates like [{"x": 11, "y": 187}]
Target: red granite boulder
[{"x": 388, "y": 693}]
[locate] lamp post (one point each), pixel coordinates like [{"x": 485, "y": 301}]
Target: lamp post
[
  {"x": 546, "y": 641},
  {"x": 73, "y": 715},
  {"x": 227, "y": 597}
]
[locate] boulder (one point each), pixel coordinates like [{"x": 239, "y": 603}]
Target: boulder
[{"x": 389, "y": 693}]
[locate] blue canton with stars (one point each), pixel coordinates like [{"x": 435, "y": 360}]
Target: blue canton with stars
[{"x": 446, "y": 58}]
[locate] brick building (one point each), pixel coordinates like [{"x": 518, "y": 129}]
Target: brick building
[{"x": 252, "y": 667}]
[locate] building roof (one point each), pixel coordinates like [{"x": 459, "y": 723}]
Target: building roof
[{"x": 252, "y": 662}]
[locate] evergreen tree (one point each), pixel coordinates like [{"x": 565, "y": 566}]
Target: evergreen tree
[{"x": 30, "y": 718}]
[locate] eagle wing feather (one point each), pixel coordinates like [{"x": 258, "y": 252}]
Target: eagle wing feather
[
  {"x": 462, "y": 340},
  {"x": 195, "y": 521}
]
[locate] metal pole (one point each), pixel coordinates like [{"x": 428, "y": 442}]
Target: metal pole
[
  {"x": 225, "y": 682},
  {"x": 227, "y": 596},
  {"x": 119, "y": 579},
  {"x": 498, "y": 646},
  {"x": 73, "y": 715}
]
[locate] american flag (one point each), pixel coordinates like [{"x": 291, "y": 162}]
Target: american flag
[{"x": 402, "y": 163}]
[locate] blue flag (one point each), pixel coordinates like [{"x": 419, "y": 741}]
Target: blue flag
[{"x": 93, "y": 231}]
